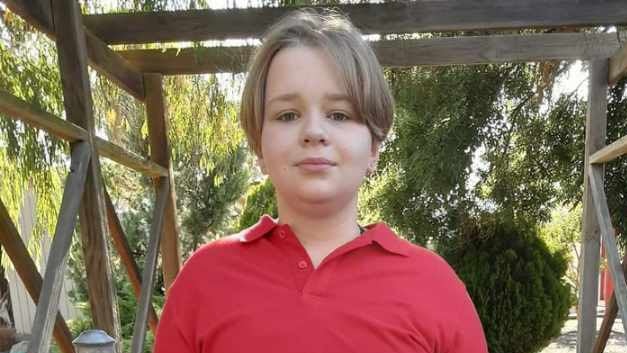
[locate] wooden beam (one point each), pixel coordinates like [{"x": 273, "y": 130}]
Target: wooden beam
[
  {"x": 18, "y": 109},
  {"x": 190, "y": 60},
  {"x": 72, "y": 52},
  {"x": 111, "y": 65},
  {"x": 129, "y": 159},
  {"x": 126, "y": 255},
  {"x": 103, "y": 59},
  {"x": 399, "y": 53},
  {"x": 389, "y": 17},
  {"x": 27, "y": 270},
  {"x": 596, "y": 121},
  {"x": 36, "y": 12},
  {"x": 607, "y": 231},
  {"x": 611, "y": 310},
  {"x": 618, "y": 65},
  {"x": 160, "y": 154},
  {"x": 610, "y": 152},
  {"x": 48, "y": 305},
  {"x": 150, "y": 266}
]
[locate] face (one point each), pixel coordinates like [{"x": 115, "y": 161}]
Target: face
[{"x": 312, "y": 146}]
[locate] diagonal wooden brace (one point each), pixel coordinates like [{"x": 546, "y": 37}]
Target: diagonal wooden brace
[
  {"x": 150, "y": 265},
  {"x": 48, "y": 304},
  {"x": 595, "y": 178}
]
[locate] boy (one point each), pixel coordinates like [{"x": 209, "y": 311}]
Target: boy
[{"x": 315, "y": 109}]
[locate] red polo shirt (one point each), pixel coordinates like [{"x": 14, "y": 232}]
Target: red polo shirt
[{"x": 257, "y": 291}]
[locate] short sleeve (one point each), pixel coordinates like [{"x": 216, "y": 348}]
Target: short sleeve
[
  {"x": 171, "y": 337},
  {"x": 467, "y": 334}
]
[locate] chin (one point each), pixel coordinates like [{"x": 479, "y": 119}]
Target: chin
[
  {"x": 316, "y": 197},
  {"x": 316, "y": 194}
]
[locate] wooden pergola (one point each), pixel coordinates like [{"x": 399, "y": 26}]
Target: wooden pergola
[{"x": 84, "y": 40}]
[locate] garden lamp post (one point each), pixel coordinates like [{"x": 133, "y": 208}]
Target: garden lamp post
[{"x": 94, "y": 341}]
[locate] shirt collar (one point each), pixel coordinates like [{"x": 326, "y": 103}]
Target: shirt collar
[{"x": 378, "y": 233}]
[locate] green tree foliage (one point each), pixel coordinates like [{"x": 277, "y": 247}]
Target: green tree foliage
[
  {"x": 529, "y": 145},
  {"x": 136, "y": 224},
  {"x": 209, "y": 155},
  {"x": 443, "y": 115},
  {"x": 563, "y": 234},
  {"x": 29, "y": 158},
  {"x": 260, "y": 200},
  {"x": 514, "y": 282}
]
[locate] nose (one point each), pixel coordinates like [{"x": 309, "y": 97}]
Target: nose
[{"x": 314, "y": 130}]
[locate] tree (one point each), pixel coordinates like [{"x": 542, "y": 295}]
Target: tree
[
  {"x": 260, "y": 200},
  {"x": 514, "y": 280},
  {"x": 529, "y": 145},
  {"x": 563, "y": 235}
]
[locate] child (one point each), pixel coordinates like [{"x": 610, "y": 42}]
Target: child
[{"x": 315, "y": 109}]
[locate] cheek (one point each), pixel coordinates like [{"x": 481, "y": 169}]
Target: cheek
[
  {"x": 275, "y": 154},
  {"x": 359, "y": 152}
]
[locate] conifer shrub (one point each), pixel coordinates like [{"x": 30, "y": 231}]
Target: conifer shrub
[{"x": 515, "y": 282}]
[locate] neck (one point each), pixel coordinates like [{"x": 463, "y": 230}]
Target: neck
[{"x": 322, "y": 225}]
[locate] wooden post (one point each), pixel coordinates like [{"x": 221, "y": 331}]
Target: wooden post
[
  {"x": 27, "y": 270},
  {"x": 150, "y": 265},
  {"x": 596, "y": 121},
  {"x": 48, "y": 304},
  {"x": 611, "y": 309},
  {"x": 72, "y": 52},
  {"x": 160, "y": 154},
  {"x": 126, "y": 256},
  {"x": 607, "y": 231}
]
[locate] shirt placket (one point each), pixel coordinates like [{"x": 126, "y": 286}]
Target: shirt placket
[{"x": 298, "y": 260}]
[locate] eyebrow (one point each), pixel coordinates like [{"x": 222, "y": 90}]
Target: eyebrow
[
  {"x": 338, "y": 97},
  {"x": 283, "y": 97},
  {"x": 294, "y": 96}
]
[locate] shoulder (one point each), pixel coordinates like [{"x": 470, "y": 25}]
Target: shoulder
[
  {"x": 430, "y": 266},
  {"x": 208, "y": 260},
  {"x": 212, "y": 253}
]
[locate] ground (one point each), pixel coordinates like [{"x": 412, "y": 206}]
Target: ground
[{"x": 567, "y": 341}]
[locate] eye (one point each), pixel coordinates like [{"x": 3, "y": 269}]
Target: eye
[
  {"x": 287, "y": 116},
  {"x": 339, "y": 116}
]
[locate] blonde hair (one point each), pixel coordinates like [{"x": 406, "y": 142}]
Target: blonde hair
[{"x": 356, "y": 62}]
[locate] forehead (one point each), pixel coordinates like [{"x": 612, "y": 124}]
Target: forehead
[{"x": 305, "y": 72}]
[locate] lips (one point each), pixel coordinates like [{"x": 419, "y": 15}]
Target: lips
[
  {"x": 315, "y": 161},
  {"x": 315, "y": 165}
]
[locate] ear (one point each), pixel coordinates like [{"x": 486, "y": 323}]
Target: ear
[
  {"x": 374, "y": 155},
  {"x": 262, "y": 165}
]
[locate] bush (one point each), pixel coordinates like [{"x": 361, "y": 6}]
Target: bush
[
  {"x": 515, "y": 283},
  {"x": 259, "y": 201}
]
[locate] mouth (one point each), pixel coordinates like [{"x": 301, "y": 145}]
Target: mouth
[
  {"x": 315, "y": 161},
  {"x": 315, "y": 164}
]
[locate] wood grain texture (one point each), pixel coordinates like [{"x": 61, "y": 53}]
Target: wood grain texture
[
  {"x": 392, "y": 17},
  {"x": 35, "y": 12},
  {"x": 609, "y": 317},
  {"x": 160, "y": 154},
  {"x": 399, "y": 53},
  {"x": 123, "y": 248},
  {"x": 18, "y": 109},
  {"x": 72, "y": 53},
  {"x": 113, "y": 66},
  {"x": 103, "y": 59},
  {"x": 595, "y": 178},
  {"x": 618, "y": 65},
  {"x": 150, "y": 266},
  {"x": 25, "y": 267},
  {"x": 37, "y": 118},
  {"x": 48, "y": 305},
  {"x": 129, "y": 159},
  {"x": 596, "y": 121},
  {"x": 610, "y": 152}
]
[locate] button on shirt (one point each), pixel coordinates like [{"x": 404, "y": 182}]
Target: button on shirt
[{"x": 257, "y": 291}]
